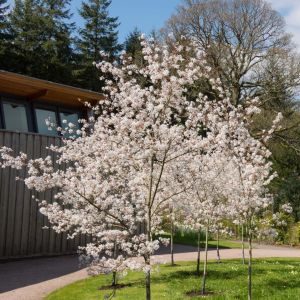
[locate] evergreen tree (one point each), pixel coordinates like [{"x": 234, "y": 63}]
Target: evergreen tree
[
  {"x": 99, "y": 34},
  {"x": 133, "y": 47},
  {"x": 3, "y": 16},
  {"x": 26, "y": 26},
  {"x": 57, "y": 41},
  {"x": 4, "y": 33},
  {"x": 42, "y": 39}
]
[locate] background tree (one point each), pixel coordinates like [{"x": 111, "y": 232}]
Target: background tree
[
  {"x": 5, "y": 35},
  {"x": 235, "y": 35},
  {"x": 133, "y": 47},
  {"x": 99, "y": 34},
  {"x": 4, "y": 6},
  {"x": 41, "y": 42},
  {"x": 25, "y": 21},
  {"x": 57, "y": 41},
  {"x": 247, "y": 47},
  {"x": 277, "y": 83}
]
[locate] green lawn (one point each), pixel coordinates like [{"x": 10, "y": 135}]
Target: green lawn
[
  {"x": 190, "y": 238},
  {"x": 273, "y": 279}
]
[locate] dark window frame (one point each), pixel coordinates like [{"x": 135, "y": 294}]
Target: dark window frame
[
  {"x": 19, "y": 100},
  {"x": 30, "y": 107}
]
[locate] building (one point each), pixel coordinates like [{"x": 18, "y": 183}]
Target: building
[{"x": 25, "y": 103}]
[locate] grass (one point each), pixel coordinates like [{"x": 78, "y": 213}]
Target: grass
[
  {"x": 273, "y": 279},
  {"x": 190, "y": 238}
]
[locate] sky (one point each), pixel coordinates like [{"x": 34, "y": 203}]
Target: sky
[
  {"x": 148, "y": 15},
  {"x": 290, "y": 9}
]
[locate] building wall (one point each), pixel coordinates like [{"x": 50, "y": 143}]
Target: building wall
[{"x": 21, "y": 223}]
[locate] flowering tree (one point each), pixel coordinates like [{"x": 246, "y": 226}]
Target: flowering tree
[
  {"x": 206, "y": 205},
  {"x": 248, "y": 195},
  {"x": 121, "y": 174},
  {"x": 151, "y": 146}
]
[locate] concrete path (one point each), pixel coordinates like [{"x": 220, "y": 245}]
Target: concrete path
[{"x": 33, "y": 279}]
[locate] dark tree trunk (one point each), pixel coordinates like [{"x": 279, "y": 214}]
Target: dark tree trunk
[
  {"x": 205, "y": 262},
  {"x": 172, "y": 242},
  {"x": 218, "y": 249},
  {"x": 114, "y": 279},
  {"x": 198, "y": 255},
  {"x": 148, "y": 279},
  {"x": 250, "y": 265},
  {"x": 243, "y": 245}
]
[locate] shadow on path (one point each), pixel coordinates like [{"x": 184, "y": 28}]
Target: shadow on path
[
  {"x": 22, "y": 273},
  {"x": 17, "y": 274}
]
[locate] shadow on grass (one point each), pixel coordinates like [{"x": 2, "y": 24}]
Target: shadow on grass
[
  {"x": 114, "y": 287},
  {"x": 282, "y": 284},
  {"x": 225, "y": 270},
  {"x": 265, "y": 276},
  {"x": 199, "y": 294}
]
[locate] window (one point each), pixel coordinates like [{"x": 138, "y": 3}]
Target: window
[
  {"x": 46, "y": 121},
  {"x": 15, "y": 116},
  {"x": 69, "y": 117},
  {"x": 21, "y": 115}
]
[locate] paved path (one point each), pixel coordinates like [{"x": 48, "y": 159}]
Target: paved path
[{"x": 33, "y": 279}]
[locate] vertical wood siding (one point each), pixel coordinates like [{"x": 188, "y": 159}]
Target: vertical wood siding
[{"x": 21, "y": 223}]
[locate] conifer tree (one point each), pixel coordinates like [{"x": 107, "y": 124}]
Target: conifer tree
[
  {"x": 133, "y": 47},
  {"x": 4, "y": 32},
  {"x": 26, "y": 26},
  {"x": 42, "y": 39},
  {"x": 57, "y": 41},
  {"x": 4, "y": 6},
  {"x": 99, "y": 34}
]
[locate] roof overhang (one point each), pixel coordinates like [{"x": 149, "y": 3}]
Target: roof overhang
[{"x": 37, "y": 89}]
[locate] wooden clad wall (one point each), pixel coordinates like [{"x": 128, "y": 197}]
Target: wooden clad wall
[{"x": 21, "y": 223}]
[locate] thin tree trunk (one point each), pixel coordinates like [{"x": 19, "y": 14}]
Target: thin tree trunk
[
  {"x": 250, "y": 264},
  {"x": 198, "y": 255},
  {"x": 149, "y": 234},
  {"x": 148, "y": 279},
  {"x": 114, "y": 277},
  {"x": 218, "y": 250},
  {"x": 205, "y": 262},
  {"x": 148, "y": 265},
  {"x": 243, "y": 245},
  {"x": 172, "y": 242}
]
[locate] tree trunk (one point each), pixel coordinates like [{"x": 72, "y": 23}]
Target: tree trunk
[
  {"x": 236, "y": 93},
  {"x": 243, "y": 245},
  {"x": 148, "y": 279},
  {"x": 205, "y": 262},
  {"x": 198, "y": 255},
  {"x": 250, "y": 265},
  {"x": 147, "y": 262},
  {"x": 114, "y": 274},
  {"x": 218, "y": 250},
  {"x": 172, "y": 242},
  {"x": 114, "y": 279},
  {"x": 149, "y": 233}
]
